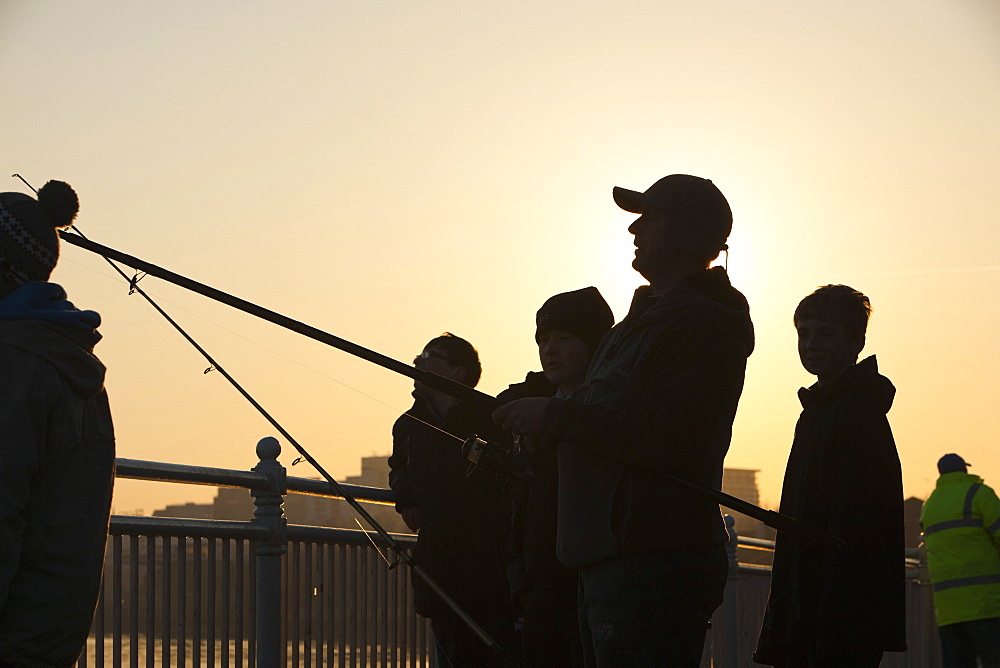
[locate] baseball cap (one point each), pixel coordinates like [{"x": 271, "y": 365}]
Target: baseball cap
[
  {"x": 700, "y": 208},
  {"x": 951, "y": 463}
]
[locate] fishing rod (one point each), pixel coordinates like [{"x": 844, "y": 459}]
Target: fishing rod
[
  {"x": 338, "y": 488},
  {"x": 433, "y": 380},
  {"x": 450, "y": 387},
  {"x": 490, "y": 457}
]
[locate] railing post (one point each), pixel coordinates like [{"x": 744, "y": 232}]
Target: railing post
[
  {"x": 923, "y": 592},
  {"x": 731, "y": 602},
  {"x": 268, "y": 552}
]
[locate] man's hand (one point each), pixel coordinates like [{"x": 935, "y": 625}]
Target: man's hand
[
  {"x": 411, "y": 516},
  {"x": 524, "y": 417}
]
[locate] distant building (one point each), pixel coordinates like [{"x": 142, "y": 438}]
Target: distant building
[
  {"x": 742, "y": 483},
  {"x": 237, "y": 504},
  {"x": 911, "y": 521}
]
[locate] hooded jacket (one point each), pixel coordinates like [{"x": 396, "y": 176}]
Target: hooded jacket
[
  {"x": 961, "y": 525},
  {"x": 660, "y": 397},
  {"x": 843, "y": 476},
  {"x": 56, "y": 475}
]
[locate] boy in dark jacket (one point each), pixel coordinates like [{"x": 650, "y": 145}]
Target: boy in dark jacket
[
  {"x": 568, "y": 328},
  {"x": 846, "y": 607},
  {"x": 461, "y": 518},
  {"x": 57, "y": 451}
]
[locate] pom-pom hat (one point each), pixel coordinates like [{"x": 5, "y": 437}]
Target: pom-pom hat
[{"x": 29, "y": 245}]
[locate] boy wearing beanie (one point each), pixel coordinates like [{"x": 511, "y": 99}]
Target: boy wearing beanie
[
  {"x": 57, "y": 452},
  {"x": 568, "y": 329}
]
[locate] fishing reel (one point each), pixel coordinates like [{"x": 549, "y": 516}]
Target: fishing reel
[{"x": 495, "y": 459}]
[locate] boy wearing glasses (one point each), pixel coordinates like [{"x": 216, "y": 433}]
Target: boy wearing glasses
[{"x": 461, "y": 518}]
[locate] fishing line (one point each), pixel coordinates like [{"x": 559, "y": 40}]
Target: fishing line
[
  {"x": 396, "y": 410},
  {"x": 358, "y": 508}
]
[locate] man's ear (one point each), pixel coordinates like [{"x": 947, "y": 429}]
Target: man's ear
[{"x": 459, "y": 374}]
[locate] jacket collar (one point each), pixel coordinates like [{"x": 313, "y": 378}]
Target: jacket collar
[
  {"x": 862, "y": 376},
  {"x": 956, "y": 477}
]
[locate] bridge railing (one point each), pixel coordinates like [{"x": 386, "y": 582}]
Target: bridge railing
[
  {"x": 190, "y": 592},
  {"x": 736, "y": 623}
]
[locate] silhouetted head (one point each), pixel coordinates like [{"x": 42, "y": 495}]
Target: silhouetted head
[
  {"x": 680, "y": 215},
  {"x": 952, "y": 463},
  {"x": 583, "y": 313},
  {"x": 29, "y": 245},
  {"x": 459, "y": 356},
  {"x": 831, "y": 324},
  {"x": 568, "y": 328},
  {"x": 838, "y": 303}
]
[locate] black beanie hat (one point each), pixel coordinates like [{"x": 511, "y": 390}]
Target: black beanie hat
[
  {"x": 29, "y": 246},
  {"x": 583, "y": 313}
]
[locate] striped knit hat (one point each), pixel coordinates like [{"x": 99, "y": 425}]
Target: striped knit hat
[{"x": 29, "y": 246}]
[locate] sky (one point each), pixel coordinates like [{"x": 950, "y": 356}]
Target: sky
[{"x": 389, "y": 170}]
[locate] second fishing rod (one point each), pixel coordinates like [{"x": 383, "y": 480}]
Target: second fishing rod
[
  {"x": 401, "y": 553},
  {"x": 453, "y": 388}
]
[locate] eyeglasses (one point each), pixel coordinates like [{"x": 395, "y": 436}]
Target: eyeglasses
[{"x": 426, "y": 355}]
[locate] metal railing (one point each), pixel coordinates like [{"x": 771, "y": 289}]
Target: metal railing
[
  {"x": 190, "y": 592},
  {"x": 735, "y": 624}
]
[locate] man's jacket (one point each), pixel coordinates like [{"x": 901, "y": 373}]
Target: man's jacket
[
  {"x": 961, "y": 525},
  {"x": 57, "y": 458},
  {"x": 660, "y": 398}
]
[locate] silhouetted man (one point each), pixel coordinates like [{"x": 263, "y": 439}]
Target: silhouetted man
[
  {"x": 660, "y": 397},
  {"x": 839, "y": 607},
  {"x": 57, "y": 451},
  {"x": 961, "y": 525}
]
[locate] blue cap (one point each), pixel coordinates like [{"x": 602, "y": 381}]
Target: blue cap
[{"x": 951, "y": 463}]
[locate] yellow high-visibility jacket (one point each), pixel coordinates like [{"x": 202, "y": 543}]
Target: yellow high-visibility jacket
[{"x": 961, "y": 526}]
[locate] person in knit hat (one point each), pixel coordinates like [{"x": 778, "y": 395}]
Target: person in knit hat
[
  {"x": 568, "y": 328},
  {"x": 57, "y": 451},
  {"x": 582, "y": 314}
]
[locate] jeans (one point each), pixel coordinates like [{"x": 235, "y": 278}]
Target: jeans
[
  {"x": 961, "y": 643},
  {"x": 847, "y": 656},
  {"x": 650, "y": 609},
  {"x": 550, "y": 636}
]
